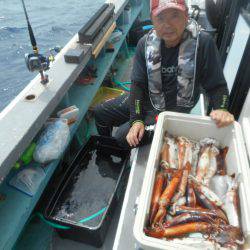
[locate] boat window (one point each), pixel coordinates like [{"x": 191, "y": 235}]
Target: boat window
[
  {"x": 236, "y": 50},
  {"x": 237, "y": 67}
]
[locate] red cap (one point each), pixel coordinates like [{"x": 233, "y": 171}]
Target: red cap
[{"x": 157, "y": 6}]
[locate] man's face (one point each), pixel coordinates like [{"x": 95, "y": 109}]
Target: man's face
[{"x": 170, "y": 24}]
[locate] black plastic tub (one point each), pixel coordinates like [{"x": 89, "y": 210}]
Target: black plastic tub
[{"x": 89, "y": 191}]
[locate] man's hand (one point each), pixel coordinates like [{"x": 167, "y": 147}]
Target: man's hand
[
  {"x": 135, "y": 134},
  {"x": 222, "y": 118}
]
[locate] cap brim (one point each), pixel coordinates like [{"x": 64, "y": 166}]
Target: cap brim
[{"x": 158, "y": 10}]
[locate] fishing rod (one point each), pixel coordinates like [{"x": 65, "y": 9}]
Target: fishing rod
[{"x": 35, "y": 61}]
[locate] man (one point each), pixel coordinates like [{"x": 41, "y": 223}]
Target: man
[{"x": 171, "y": 64}]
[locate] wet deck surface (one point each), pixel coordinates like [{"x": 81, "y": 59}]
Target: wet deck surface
[
  {"x": 64, "y": 244},
  {"x": 122, "y": 233}
]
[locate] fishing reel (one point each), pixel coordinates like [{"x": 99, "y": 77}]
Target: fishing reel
[
  {"x": 41, "y": 63},
  {"x": 37, "y": 62}
]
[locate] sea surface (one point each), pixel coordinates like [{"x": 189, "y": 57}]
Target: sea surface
[{"x": 53, "y": 22}]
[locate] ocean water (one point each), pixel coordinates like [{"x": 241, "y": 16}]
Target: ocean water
[{"x": 53, "y": 22}]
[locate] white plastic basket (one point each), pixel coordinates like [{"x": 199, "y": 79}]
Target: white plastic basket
[{"x": 196, "y": 128}]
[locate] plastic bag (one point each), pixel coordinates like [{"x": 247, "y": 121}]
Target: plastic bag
[
  {"x": 52, "y": 142},
  {"x": 28, "y": 180}
]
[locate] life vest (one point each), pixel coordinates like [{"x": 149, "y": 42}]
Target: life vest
[{"x": 186, "y": 67}]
